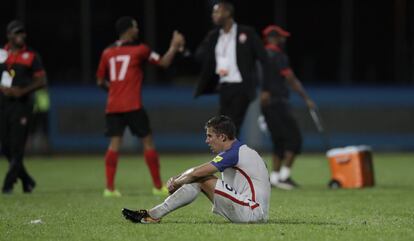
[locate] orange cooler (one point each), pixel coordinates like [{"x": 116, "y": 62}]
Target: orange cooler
[{"x": 351, "y": 167}]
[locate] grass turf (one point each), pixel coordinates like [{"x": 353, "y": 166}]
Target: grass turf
[{"x": 69, "y": 203}]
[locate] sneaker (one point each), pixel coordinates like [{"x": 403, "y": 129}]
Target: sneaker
[
  {"x": 29, "y": 186},
  {"x": 7, "y": 191},
  {"x": 109, "y": 193},
  {"x": 163, "y": 191},
  {"x": 287, "y": 184},
  {"x": 140, "y": 216}
]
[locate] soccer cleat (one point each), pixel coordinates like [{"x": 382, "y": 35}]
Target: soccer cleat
[
  {"x": 140, "y": 216},
  {"x": 109, "y": 193},
  {"x": 287, "y": 184},
  {"x": 163, "y": 191}
]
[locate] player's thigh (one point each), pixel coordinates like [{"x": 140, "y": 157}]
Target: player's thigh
[
  {"x": 19, "y": 126},
  {"x": 138, "y": 123},
  {"x": 115, "y": 124},
  {"x": 234, "y": 206}
]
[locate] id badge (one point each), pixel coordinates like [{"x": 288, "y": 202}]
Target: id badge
[
  {"x": 6, "y": 79},
  {"x": 3, "y": 56},
  {"x": 222, "y": 66}
]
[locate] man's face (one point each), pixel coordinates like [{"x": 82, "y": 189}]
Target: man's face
[
  {"x": 219, "y": 15},
  {"x": 17, "y": 38},
  {"x": 214, "y": 141},
  {"x": 134, "y": 30}
]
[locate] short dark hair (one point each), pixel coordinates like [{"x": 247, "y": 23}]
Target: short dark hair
[
  {"x": 123, "y": 24},
  {"x": 222, "y": 125},
  {"x": 15, "y": 26},
  {"x": 227, "y": 6}
]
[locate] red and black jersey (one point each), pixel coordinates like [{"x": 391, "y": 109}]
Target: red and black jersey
[
  {"x": 121, "y": 64},
  {"x": 280, "y": 68},
  {"x": 22, "y": 66}
]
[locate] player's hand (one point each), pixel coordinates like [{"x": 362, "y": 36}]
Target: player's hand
[
  {"x": 265, "y": 98},
  {"x": 12, "y": 91},
  {"x": 171, "y": 185},
  {"x": 310, "y": 103},
  {"x": 178, "y": 41}
]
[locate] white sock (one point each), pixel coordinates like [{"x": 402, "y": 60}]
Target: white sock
[
  {"x": 183, "y": 196},
  {"x": 284, "y": 173},
  {"x": 274, "y": 177}
]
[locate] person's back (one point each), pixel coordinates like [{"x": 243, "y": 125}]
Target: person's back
[
  {"x": 124, "y": 62},
  {"x": 249, "y": 176}
]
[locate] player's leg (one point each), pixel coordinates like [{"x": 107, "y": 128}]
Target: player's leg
[
  {"x": 234, "y": 103},
  {"x": 15, "y": 149},
  {"x": 115, "y": 126},
  {"x": 275, "y": 126},
  {"x": 180, "y": 198},
  {"x": 236, "y": 207},
  {"x": 292, "y": 146},
  {"x": 139, "y": 125}
]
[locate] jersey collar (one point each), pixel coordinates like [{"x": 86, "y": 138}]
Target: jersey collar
[
  {"x": 273, "y": 47},
  {"x": 7, "y": 48}
]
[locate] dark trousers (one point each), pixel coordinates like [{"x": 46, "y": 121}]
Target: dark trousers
[
  {"x": 14, "y": 125},
  {"x": 234, "y": 101},
  {"x": 283, "y": 128}
]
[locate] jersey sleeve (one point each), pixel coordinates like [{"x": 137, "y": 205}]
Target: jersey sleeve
[
  {"x": 284, "y": 65},
  {"x": 37, "y": 66},
  {"x": 226, "y": 160},
  {"x": 102, "y": 67},
  {"x": 151, "y": 56}
]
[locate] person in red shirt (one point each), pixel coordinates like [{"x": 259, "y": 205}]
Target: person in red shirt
[{"x": 120, "y": 73}]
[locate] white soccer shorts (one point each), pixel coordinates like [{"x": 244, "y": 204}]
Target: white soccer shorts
[{"x": 236, "y": 207}]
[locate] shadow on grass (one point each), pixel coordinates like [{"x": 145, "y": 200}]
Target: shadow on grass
[{"x": 271, "y": 221}]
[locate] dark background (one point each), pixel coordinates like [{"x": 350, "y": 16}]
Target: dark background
[{"x": 333, "y": 42}]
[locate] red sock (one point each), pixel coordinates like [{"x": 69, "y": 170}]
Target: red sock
[
  {"x": 153, "y": 163},
  {"x": 111, "y": 161}
]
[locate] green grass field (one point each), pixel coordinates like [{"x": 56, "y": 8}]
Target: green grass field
[{"x": 69, "y": 202}]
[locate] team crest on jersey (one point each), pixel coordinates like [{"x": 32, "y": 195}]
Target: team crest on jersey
[
  {"x": 217, "y": 159},
  {"x": 242, "y": 38},
  {"x": 25, "y": 55}
]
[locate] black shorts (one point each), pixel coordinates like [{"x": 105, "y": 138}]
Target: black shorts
[
  {"x": 137, "y": 121},
  {"x": 283, "y": 128}
]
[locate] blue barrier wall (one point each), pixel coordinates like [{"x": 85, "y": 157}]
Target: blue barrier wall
[{"x": 380, "y": 117}]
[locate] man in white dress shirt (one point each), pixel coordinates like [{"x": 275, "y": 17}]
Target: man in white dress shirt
[{"x": 228, "y": 55}]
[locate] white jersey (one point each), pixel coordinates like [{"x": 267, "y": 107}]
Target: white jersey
[{"x": 244, "y": 170}]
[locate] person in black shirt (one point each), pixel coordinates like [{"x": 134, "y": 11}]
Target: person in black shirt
[
  {"x": 21, "y": 73},
  {"x": 283, "y": 128}
]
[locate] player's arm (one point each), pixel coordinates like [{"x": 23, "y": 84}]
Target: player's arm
[
  {"x": 39, "y": 80},
  {"x": 176, "y": 45},
  {"x": 37, "y": 83},
  {"x": 191, "y": 175},
  {"x": 297, "y": 86},
  {"x": 103, "y": 83},
  {"x": 263, "y": 58},
  {"x": 101, "y": 73}
]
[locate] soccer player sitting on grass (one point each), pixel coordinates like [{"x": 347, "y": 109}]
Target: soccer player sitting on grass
[{"x": 241, "y": 196}]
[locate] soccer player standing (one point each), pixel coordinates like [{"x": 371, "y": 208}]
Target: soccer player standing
[
  {"x": 21, "y": 73},
  {"x": 120, "y": 72},
  {"x": 241, "y": 196}
]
